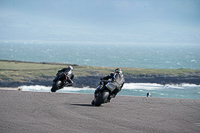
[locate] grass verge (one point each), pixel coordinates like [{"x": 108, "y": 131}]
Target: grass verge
[{"x": 12, "y": 70}]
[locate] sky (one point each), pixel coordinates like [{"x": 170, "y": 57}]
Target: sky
[{"x": 101, "y": 21}]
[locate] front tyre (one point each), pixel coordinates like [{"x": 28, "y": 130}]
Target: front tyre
[
  {"x": 102, "y": 98},
  {"x": 56, "y": 86}
]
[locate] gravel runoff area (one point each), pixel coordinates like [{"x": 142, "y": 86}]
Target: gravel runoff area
[{"x": 46, "y": 112}]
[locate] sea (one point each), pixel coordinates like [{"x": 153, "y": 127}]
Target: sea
[{"x": 134, "y": 55}]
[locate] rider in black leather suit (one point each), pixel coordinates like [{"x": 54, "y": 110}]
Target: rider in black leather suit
[
  {"x": 117, "y": 78},
  {"x": 69, "y": 73}
]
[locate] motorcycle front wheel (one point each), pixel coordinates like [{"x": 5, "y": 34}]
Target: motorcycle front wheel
[
  {"x": 102, "y": 98},
  {"x": 56, "y": 86}
]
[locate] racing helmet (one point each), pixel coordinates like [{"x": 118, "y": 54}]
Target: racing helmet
[
  {"x": 70, "y": 68},
  {"x": 118, "y": 70}
]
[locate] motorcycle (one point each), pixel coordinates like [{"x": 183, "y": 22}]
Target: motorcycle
[
  {"x": 105, "y": 94},
  {"x": 59, "y": 82}
]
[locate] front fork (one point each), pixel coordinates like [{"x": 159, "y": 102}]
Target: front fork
[{"x": 97, "y": 92}]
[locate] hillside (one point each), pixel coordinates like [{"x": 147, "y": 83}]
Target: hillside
[{"x": 16, "y": 73}]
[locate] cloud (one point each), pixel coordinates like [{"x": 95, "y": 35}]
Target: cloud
[{"x": 101, "y": 20}]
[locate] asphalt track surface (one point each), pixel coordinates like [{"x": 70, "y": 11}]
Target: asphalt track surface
[{"x": 45, "y": 112}]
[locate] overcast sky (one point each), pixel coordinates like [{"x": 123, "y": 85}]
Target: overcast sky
[{"x": 129, "y": 21}]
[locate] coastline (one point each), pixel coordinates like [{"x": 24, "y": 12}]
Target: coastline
[
  {"x": 93, "y": 81},
  {"x": 17, "y": 73}
]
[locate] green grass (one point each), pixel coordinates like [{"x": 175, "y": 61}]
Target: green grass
[{"x": 21, "y": 71}]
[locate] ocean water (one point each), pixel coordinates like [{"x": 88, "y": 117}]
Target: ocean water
[
  {"x": 159, "y": 56},
  {"x": 163, "y": 56}
]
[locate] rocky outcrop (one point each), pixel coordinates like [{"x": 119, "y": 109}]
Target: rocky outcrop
[
  {"x": 163, "y": 79},
  {"x": 93, "y": 81}
]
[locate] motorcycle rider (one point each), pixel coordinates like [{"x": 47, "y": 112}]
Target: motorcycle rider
[
  {"x": 69, "y": 73},
  {"x": 117, "y": 78}
]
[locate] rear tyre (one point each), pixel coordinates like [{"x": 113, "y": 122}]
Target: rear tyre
[
  {"x": 56, "y": 86},
  {"x": 102, "y": 98}
]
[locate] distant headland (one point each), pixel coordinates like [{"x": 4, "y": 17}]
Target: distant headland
[{"x": 17, "y": 73}]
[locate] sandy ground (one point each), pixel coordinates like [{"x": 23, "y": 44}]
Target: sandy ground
[
  {"x": 40, "y": 112},
  {"x": 8, "y": 88}
]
